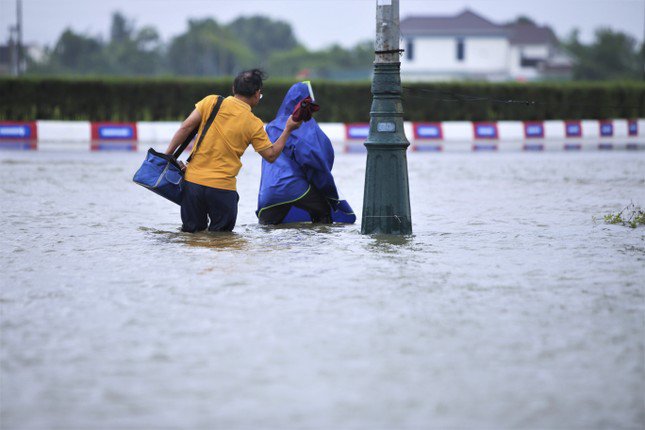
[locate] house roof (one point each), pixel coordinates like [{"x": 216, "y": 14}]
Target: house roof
[
  {"x": 527, "y": 33},
  {"x": 468, "y": 23}
]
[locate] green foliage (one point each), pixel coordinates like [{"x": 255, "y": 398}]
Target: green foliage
[
  {"x": 121, "y": 29},
  {"x": 133, "y": 52},
  {"x": 263, "y": 36},
  {"x": 128, "y": 52},
  {"x": 522, "y": 19},
  {"x": 137, "y": 99},
  {"x": 206, "y": 48},
  {"x": 538, "y": 101},
  {"x": 631, "y": 216},
  {"x": 330, "y": 63},
  {"x": 78, "y": 53},
  {"x": 210, "y": 49},
  {"x": 612, "y": 55}
]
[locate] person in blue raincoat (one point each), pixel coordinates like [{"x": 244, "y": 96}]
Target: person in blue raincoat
[{"x": 299, "y": 186}]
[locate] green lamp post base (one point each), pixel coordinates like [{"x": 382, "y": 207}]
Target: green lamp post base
[{"x": 386, "y": 200}]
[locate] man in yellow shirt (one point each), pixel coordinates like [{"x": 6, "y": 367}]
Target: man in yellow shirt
[{"x": 210, "y": 177}]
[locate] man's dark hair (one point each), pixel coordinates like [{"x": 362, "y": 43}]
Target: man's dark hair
[{"x": 248, "y": 82}]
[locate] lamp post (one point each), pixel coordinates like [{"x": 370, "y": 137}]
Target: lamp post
[
  {"x": 19, "y": 50},
  {"x": 386, "y": 200}
]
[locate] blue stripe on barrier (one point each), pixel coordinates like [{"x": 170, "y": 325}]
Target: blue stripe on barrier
[
  {"x": 115, "y": 132},
  {"x": 428, "y": 131},
  {"x": 605, "y": 146},
  {"x": 355, "y": 149},
  {"x": 114, "y": 146},
  {"x": 485, "y": 130},
  {"x": 428, "y": 148},
  {"x": 573, "y": 129},
  {"x": 17, "y": 145},
  {"x": 606, "y": 129},
  {"x": 572, "y": 146},
  {"x": 533, "y": 147},
  {"x": 357, "y": 131},
  {"x": 484, "y": 147},
  {"x": 533, "y": 130},
  {"x": 15, "y": 131}
]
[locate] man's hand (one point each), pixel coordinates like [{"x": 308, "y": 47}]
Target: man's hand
[{"x": 291, "y": 124}]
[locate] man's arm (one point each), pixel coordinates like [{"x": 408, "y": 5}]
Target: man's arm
[
  {"x": 189, "y": 124},
  {"x": 272, "y": 154}
]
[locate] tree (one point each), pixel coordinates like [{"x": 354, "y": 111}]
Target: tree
[
  {"x": 128, "y": 52},
  {"x": 121, "y": 29},
  {"x": 612, "y": 55},
  {"x": 263, "y": 36},
  {"x": 522, "y": 19},
  {"x": 334, "y": 62},
  {"x": 132, "y": 52},
  {"x": 207, "y": 49},
  {"x": 77, "y": 54}
]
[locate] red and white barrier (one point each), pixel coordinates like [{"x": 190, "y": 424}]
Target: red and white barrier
[
  {"x": 355, "y": 136},
  {"x": 530, "y": 135},
  {"x": 114, "y": 136},
  {"x": 428, "y": 136},
  {"x": 446, "y": 136},
  {"x": 18, "y": 135}
]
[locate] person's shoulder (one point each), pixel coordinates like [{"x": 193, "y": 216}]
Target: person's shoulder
[
  {"x": 210, "y": 98},
  {"x": 206, "y": 102},
  {"x": 254, "y": 120},
  {"x": 253, "y": 117}
]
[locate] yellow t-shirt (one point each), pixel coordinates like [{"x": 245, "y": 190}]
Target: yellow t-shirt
[{"x": 217, "y": 161}]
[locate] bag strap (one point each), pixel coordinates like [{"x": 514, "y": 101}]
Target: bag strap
[{"x": 193, "y": 133}]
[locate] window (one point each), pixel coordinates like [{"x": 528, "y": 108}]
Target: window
[
  {"x": 461, "y": 51},
  {"x": 409, "y": 51},
  {"x": 529, "y": 62}
]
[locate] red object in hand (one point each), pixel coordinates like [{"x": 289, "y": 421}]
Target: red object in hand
[{"x": 304, "y": 110}]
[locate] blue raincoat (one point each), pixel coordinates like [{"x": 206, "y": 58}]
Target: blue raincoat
[{"x": 307, "y": 159}]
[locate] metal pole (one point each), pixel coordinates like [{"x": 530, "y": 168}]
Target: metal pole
[
  {"x": 386, "y": 200},
  {"x": 13, "y": 58},
  {"x": 19, "y": 59}
]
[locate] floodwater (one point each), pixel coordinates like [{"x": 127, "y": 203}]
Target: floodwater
[{"x": 511, "y": 306}]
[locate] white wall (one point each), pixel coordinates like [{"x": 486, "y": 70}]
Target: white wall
[
  {"x": 486, "y": 54},
  {"x": 528, "y": 51},
  {"x": 438, "y": 56},
  {"x": 515, "y": 66}
]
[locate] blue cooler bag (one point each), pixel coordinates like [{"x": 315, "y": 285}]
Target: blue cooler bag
[{"x": 161, "y": 174}]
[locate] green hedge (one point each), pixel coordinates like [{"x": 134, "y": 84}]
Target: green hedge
[{"x": 136, "y": 99}]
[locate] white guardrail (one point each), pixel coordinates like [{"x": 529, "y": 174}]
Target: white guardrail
[{"x": 423, "y": 136}]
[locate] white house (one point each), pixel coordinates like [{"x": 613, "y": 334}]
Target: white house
[{"x": 469, "y": 47}]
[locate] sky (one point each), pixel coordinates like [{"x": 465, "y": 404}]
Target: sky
[{"x": 316, "y": 23}]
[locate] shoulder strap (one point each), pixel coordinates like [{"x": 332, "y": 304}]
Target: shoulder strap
[{"x": 192, "y": 135}]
